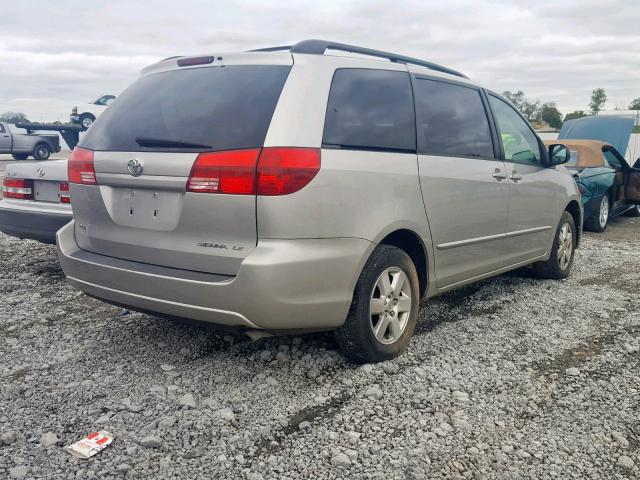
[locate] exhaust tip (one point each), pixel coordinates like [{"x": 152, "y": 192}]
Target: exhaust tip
[{"x": 255, "y": 335}]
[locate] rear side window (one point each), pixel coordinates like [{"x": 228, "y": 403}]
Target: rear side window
[
  {"x": 214, "y": 108},
  {"x": 451, "y": 120},
  {"x": 2, "y": 128},
  {"x": 370, "y": 109}
]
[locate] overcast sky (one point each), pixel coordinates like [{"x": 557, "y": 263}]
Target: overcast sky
[{"x": 54, "y": 54}]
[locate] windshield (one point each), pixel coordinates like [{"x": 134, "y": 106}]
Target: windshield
[{"x": 222, "y": 108}]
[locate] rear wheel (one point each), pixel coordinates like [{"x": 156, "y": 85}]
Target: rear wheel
[
  {"x": 384, "y": 309},
  {"x": 41, "y": 152},
  {"x": 633, "y": 212},
  {"x": 20, "y": 156},
  {"x": 599, "y": 220},
  {"x": 562, "y": 252}
]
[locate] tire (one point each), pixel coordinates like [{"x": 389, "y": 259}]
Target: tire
[
  {"x": 600, "y": 219},
  {"x": 42, "y": 151},
  {"x": 356, "y": 337},
  {"x": 633, "y": 212},
  {"x": 559, "y": 264},
  {"x": 20, "y": 156},
  {"x": 86, "y": 120}
]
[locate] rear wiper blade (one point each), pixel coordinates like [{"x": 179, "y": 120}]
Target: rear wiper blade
[{"x": 163, "y": 142}]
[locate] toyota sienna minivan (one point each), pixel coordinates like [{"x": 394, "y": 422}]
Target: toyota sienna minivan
[{"x": 320, "y": 186}]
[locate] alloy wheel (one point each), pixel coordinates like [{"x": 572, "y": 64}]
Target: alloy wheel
[
  {"x": 565, "y": 246},
  {"x": 603, "y": 216},
  {"x": 390, "y": 305}
]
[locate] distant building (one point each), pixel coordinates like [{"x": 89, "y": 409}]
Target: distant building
[{"x": 623, "y": 113}]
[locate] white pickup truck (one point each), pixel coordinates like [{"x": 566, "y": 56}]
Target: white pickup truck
[
  {"x": 23, "y": 145},
  {"x": 85, "y": 114}
]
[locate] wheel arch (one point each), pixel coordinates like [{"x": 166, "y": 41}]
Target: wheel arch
[
  {"x": 411, "y": 243},
  {"x": 573, "y": 207}
]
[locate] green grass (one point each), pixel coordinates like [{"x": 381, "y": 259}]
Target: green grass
[{"x": 636, "y": 129}]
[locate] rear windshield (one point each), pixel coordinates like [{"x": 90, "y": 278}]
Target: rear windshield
[{"x": 214, "y": 108}]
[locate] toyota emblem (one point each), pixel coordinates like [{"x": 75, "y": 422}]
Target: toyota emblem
[
  {"x": 40, "y": 171},
  {"x": 135, "y": 167}
]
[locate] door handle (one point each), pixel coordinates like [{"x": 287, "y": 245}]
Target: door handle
[
  {"x": 515, "y": 177},
  {"x": 499, "y": 175}
]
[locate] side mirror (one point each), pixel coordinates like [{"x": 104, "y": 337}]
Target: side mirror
[{"x": 558, "y": 154}]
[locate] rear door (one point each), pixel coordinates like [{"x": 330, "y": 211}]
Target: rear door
[
  {"x": 5, "y": 139},
  {"x": 464, "y": 185},
  {"x": 534, "y": 191},
  {"x": 145, "y": 146}
]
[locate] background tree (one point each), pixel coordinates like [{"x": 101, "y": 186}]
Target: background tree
[
  {"x": 549, "y": 113},
  {"x": 574, "y": 115},
  {"x": 13, "y": 117},
  {"x": 598, "y": 99},
  {"x": 635, "y": 104},
  {"x": 530, "y": 109}
]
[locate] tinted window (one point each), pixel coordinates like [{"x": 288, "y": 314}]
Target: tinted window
[
  {"x": 221, "y": 108},
  {"x": 451, "y": 120},
  {"x": 2, "y": 128},
  {"x": 370, "y": 109},
  {"x": 519, "y": 142}
]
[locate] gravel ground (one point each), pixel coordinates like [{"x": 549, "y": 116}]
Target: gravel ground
[{"x": 509, "y": 378}]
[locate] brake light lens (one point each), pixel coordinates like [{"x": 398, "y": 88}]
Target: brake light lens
[
  {"x": 65, "y": 196},
  {"x": 80, "y": 167},
  {"x": 17, "y": 188},
  {"x": 269, "y": 171},
  {"x": 285, "y": 170},
  {"x": 230, "y": 172}
]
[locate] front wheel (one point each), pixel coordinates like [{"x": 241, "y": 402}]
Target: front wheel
[
  {"x": 41, "y": 152},
  {"x": 384, "y": 309},
  {"x": 86, "y": 120},
  {"x": 599, "y": 220},
  {"x": 562, "y": 252}
]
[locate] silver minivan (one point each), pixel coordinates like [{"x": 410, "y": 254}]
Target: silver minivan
[{"x": 320, "y": 186}]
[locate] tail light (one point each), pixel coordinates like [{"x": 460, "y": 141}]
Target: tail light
[
  {"x": 80, "y": 167},
  {"x": 269, "y": 171},
  {"x": 580, "y": 189},
  {"x": 17, "y": 188},
  {"x": 65, "y": 196},
  {"x": 282, "y": 171},
  {"x": 231, "y": 172}
]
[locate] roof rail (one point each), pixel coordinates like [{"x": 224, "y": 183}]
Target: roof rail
[{"x": 318, "y": 47}]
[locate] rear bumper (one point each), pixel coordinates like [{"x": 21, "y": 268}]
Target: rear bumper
[
  {"x": 284, "y": 285},
  {"x": 32, "y": 224}
]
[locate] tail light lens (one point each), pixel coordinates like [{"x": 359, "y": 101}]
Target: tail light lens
[
  {"x": 269, "y": 171},
  {"x": 282, "y": 170},
  {"x": 231, "y": 172},
  {"x": 80, "y": 167},
  {"x": 17, "y": 188},
  {"x": 65, "y": 196}
]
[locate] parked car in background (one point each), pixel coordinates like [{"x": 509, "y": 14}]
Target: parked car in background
[
  {"x": 293, "y": 191},
  {"x": 85, "y": 114},
  {"x": 36, "y": 201},
  {"x": 23, "y": 145},
  {"x": 608, "y": 185}
]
